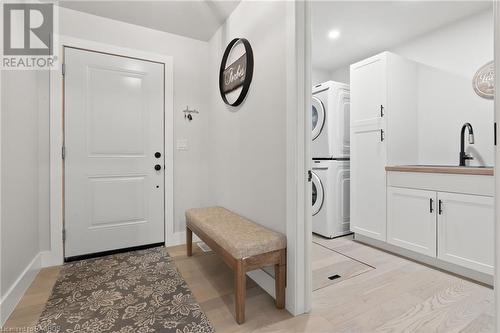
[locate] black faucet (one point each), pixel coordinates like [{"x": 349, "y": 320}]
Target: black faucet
[{"x": 463, "y": 155}]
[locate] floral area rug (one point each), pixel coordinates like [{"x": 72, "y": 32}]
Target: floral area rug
[{"x": 134, "y": 292}]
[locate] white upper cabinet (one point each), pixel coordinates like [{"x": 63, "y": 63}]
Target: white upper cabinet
[
  {"x": 466, "y": 231},
  {"x": 411, "y": 219},
  {"x": 368, "y": 99},
  {"x": 368, "y": 185}
]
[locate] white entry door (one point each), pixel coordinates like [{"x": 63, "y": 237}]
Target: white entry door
[{"x": 113, "y": 168}]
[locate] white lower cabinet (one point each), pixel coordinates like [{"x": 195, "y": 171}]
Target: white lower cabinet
[
  {"x": 466, "y": 231},
  {"x": 453, "y": 227},
  {"x": 411, "y": 219}
]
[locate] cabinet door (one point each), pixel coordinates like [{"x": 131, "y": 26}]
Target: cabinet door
[
  {"x": 411, "y": 219},
  {"x": 368, "y": 185},
  {"x": 368, "y": 89},
  {"x": 466, "y": 231}
]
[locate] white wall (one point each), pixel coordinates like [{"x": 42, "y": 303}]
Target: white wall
[
  {"x": 190, "y": 88},
  {"x": 341, "y": 75},
  {"x": 20, "y": 154},
  {"x": 248, "y": 143},
  {"x": 459, "y": 50},
  {"x": 319, "y": 76}
]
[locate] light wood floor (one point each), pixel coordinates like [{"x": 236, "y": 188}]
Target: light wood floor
[{"x": 394, "y": 295}]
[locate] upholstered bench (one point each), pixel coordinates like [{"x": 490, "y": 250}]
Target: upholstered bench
[{"x": 243, "y": 245}]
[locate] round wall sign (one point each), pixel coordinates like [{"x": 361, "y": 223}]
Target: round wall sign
[
  {"x": 236, "y": 71},
  {"x": 484, "y": 81}
]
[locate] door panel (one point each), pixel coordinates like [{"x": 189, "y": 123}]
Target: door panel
[
  {"x": 466, "y": 231},
  {"x": 368, "y": 185},
  {"x": 411, "y": 219},
  {"x": 114, "y": 197},
  {"x": 116, "y": 97},
  {"x": 369, "y": 80}
]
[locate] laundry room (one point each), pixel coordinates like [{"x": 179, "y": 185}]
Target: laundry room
[{"x": 402, "y": 112}]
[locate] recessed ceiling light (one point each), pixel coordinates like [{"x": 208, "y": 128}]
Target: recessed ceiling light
[{"x": 334, "y": 34}]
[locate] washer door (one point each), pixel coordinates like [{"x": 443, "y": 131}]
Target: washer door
[
  {"x": 318, "y": 117},
  {"x": 317, "y": 194}
]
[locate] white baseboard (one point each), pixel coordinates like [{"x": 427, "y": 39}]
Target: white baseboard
[
  {"x": 49, "y": 259},
  {"x": 10, "y": 300},
  {"x": 179, "y": 238},
  {"x": 264, "y": 280},
  {"x": 437, "y": 263},
  {"x": 52, "y": 258}
]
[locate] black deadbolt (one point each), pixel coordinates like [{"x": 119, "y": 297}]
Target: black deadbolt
[
  {"x": 157, "y": 154},
  {"x": 157, "y": 167}
]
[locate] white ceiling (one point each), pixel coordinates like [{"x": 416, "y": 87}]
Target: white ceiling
[
  {"x": 370, "y": 27},
  {"x": 197, "y": 19}
]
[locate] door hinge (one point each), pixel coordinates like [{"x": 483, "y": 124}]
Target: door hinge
[
  {"x": 63, "y": 69},
  {"x": 64, "y": 235},
  {"x": 63, "y": 152},
  {"x": 309, "y": 175},
  {"x": 495, "y": 133}
]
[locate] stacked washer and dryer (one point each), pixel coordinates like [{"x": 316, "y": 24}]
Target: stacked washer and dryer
[{"x": 330, "y": 151}]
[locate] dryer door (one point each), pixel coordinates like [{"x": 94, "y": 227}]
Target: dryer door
[
  {"x": 318, "y": 194},
  {"x": 318, "y": 117}
]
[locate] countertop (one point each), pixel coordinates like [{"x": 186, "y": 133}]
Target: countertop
[{"x": 485, "y": 171}]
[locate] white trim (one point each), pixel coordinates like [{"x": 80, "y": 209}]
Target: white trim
[
  {"x": 298, "y": 137},
  {"x": 496, "y": 25},
  {"x": 12, "y": 297},
  {"x": 425, "y": 259},
  {"x": 55, "y": 256},
  {"x": 264, "y": 280}
]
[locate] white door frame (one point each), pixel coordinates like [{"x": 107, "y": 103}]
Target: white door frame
[
  {"x": 55, "y": 256},
  {"x": 496, "y": 57},
  {"x": 298, "y": 138}
]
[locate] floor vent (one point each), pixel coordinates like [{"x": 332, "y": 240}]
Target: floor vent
[
  {"x": 204, "y": 247},
  {"x": 334, "y": 277}
]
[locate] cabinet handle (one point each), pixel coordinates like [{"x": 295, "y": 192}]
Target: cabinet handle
[
  {"x": 382, "y": 135},
  {"x": 440, "y": 207},
  {"x": 381, "y": 111},
  {"x": 431, "y": 205}
]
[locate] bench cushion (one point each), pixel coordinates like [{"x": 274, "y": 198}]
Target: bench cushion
[{"x": 237, "y": 235}]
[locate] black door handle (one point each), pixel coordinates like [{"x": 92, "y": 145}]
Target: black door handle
[
  {"x": 431, "y": 204},
  {"x": 440, "y": 207},
  {"x": 157, "y": 154},
  {"x": 157, "y": 167}
]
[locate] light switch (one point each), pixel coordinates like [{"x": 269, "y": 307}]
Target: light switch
[{"x": 182, "y": 144}]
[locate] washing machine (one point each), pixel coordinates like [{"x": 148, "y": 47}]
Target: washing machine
[
  {"x": 330, "y": 197},
  {"x": 330, "y": 120}
]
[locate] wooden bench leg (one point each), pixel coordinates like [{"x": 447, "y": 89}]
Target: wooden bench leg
[
  {"x": 189, "y": 242},
  {"x": 280, "y": 279},
  {"x": 240, "y": 291}
]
